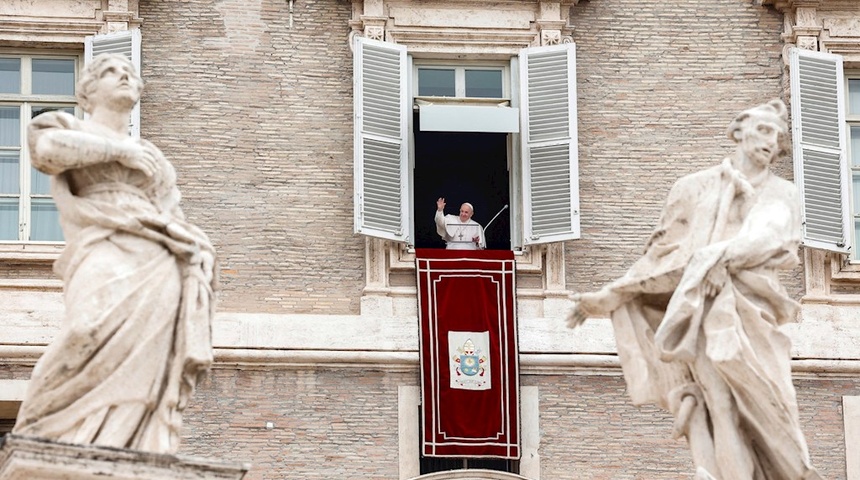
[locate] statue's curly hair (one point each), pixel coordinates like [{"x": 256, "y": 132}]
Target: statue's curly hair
[{"x": 774, "y": 110}]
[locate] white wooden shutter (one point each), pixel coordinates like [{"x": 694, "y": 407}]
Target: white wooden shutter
[
  {"x": 381, "y": 149},
  {"x": 125, "y": 42},
  {"x": 549, "y": 144},
  {"x": 820, "y": 163}
]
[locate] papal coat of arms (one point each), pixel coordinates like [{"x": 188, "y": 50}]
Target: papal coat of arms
[{"x": 470, "y": 367}]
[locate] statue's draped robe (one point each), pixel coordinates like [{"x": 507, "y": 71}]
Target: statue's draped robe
[
  {"x": 138, "y": 292},
  {"x": 670, "y": 328}
]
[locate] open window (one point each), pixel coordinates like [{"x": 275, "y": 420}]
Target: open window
[
  {"x": 501, "y": 136},
  {"x": 460, "y": 130}
]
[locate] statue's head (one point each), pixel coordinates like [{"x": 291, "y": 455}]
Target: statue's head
[
  {"x": 95, "y": 70},
  {"x": 773, "y": 114}
]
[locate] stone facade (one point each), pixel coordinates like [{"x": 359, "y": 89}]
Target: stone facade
[{"x": 316, "y": 328}]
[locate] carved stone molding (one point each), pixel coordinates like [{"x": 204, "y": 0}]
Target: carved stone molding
[
  {"x": 821, "y": 25},
  {"x": 374, "y": 32},
  {"x": 550, "y": 37},
  {"x": 34, "y": 23},
  {"x": 443, "y": 28},
  {"x": 553, "y": 30},
  {"x": 35, "y": 31}
]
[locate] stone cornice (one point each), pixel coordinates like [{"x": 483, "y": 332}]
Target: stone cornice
[
  {"x": 25, "y": 29},
  {"x": 819, "y": 25},
  {"x": 408, "y": 362},
  {"x": 454, "y": 28},
  {"x": 42, "y": 26}
]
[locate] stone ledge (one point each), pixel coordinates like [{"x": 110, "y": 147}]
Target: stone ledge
[{"x": 26, "y": 458}]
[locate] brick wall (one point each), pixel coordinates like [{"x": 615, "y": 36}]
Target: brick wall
[
  {"x": 327, "y": 423},
  {"x": 343, "y": 424},
  {"x": 257, "y": 118},
  {"x": 658, "y": 83},
  {"x": 591, "y": 431}
]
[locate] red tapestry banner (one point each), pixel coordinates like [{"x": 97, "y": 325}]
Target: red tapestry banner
[{"x": 469, "y": 355}]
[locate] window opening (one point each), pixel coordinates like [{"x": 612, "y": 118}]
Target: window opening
[
  {"x": 29, "y": 86},
  {"x": 461, "y": 82},
  {"x": 436, "y": 82},
  {"x": 462, "y": 167},
  {"x": 484, "y": 83},
  {"x": 6, "y": 425},
  {"x": 852, "y": 116},
  {"x": 441, "y": 464},
  {"x": 446, "y": 464}
]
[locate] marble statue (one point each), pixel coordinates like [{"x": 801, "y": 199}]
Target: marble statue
[
  {"x": 139, "y": 280},
  {"x": 697, "y": 318}
]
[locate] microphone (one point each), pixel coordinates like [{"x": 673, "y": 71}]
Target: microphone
[{"x": 495, "y": 217}]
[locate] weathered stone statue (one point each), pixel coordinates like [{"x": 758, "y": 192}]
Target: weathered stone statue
[
  {"x": 697, "y": 317},
  {"x": 138, "y": 279}
]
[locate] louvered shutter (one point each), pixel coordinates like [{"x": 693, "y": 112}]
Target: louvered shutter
[
  {"x": 381, "y": 128},
  {"x": 125, "y": 42},
  {"x": 549, "y": 144},
  {"x": 820, "y": 164}
]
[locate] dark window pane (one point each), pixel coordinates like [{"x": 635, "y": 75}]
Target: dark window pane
[
  {"x": 441, "y": 464},
  {"x": 433, "y": 82},
  {"x": 444, "y": 464},
  {"x": 499, "y": 464},
  {"x": 54, "y": 77},
  {"x": 37, "y": 110},
  {"x": 10, "y": 75},
  {"x": 484, "y": 83}
]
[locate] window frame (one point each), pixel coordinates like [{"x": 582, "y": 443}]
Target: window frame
[
  {"x": 534, "y": 185},
  {"x": 829, "y": 265},
  {"x": 852, "y": 120},
  {"x": 460, "y": 68},
  {"x": 845, "y": 269},
  {"x": 127, "y": 42},
  {"x": 25, "y": 101}
]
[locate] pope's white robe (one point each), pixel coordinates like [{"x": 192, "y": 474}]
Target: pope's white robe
[{"x": 458, "y": 235}]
